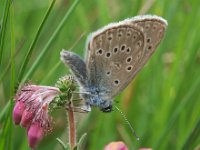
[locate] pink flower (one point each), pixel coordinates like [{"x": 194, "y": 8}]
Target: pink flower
[
  {"x": 31, "y": 110},
  {"x": 27, "y": 118},
  {"x": 116, "y": 146},
  {"x": 18, "y": 111},
  {"x": 35, "y": 134}
]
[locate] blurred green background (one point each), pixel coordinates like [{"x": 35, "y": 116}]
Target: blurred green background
[{"x": 163, "y": 101}]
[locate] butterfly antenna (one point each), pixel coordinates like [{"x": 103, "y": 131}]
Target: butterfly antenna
[{"x": 126, "y": 120}]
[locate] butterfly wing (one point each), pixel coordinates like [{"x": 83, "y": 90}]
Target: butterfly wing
[
  {"x": 153, "y": 28},
  {"x": 77, "y": 66},
  {"x": 118, "y": 51}
]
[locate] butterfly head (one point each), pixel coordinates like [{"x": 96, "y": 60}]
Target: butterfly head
[{"x": 106, "y": 109}]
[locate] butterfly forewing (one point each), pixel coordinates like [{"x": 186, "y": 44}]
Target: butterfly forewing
[
  {"x": 118, "y": 51},
  {"x": 115, "y": 54},
  {"x": 153, "y": 28}
]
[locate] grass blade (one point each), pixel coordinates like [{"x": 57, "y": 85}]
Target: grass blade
[
  {"x": 6, "y": 143},
  {"x": 193, "y": 137},
  {"x": 3, "y": 28},
  {"x": 51, "y": 72},
  {"x": 56, "y": 32},
  {"x": 177, "y": 113},
  {"x": 4, "y": 112},
  {"x": 27, "y": 58},
  {"x": 7, "y": 128}
]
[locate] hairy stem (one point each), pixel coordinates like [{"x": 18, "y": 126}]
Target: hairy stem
[{"x": 72, "y": 127}]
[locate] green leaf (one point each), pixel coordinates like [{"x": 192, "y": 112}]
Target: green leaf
[
  {"x": 28, "y": 56},
  {"x": 81, "y": 142},
  {"x": 63, "y": 145}
]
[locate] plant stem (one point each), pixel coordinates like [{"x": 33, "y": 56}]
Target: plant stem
[{"x": 72, "y": 127}]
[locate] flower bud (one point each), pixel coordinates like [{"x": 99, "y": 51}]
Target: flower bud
[
  {"x": 27, "y": 118},
  {"x": 35, "y": 134},
  {"x": 31, "y": 110},
  {"x": 116, "y": 146},
  {"x": 18, "y": 111}
]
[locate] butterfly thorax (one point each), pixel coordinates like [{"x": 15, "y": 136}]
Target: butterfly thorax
[{"x": 93, "y": 98}]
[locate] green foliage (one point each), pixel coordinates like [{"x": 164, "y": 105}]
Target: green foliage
[{"x": 162, "y": 103}]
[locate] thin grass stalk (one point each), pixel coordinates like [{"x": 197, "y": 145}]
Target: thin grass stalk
[
  {"x": 46, "y": 48},
  {"x": 12, "y": 76},
  {"x": 51, "y": 72},
  {"x": 27, "y": 58},
  {"x": 193, "y": 137},
  {"x": 3, "y": 28},
  {"x": 7, "y": 127},
  {"x": 177, "y": 113}
]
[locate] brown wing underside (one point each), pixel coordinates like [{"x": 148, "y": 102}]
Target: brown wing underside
[{"x": 118, "y": 53}]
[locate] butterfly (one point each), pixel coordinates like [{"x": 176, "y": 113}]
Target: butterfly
[{"x": 114, "y": 55}]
